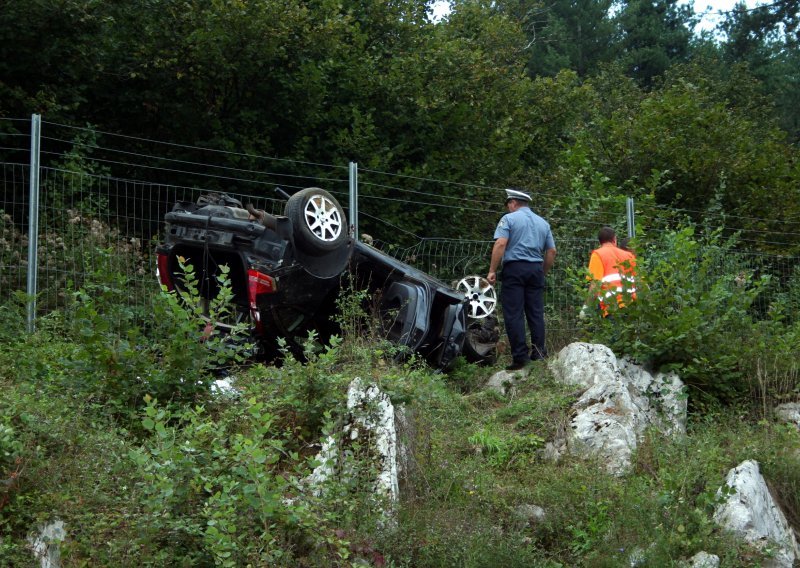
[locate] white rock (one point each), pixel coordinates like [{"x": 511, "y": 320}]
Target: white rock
[
  {"x": 529, "y": 515},
  {"x": 704, "y": 560},
  {"x": 405, "y": 428},
  {"x": 374, "y": 411},
  {"x": 789, "y": 412},
  {"x": 751, "y": 513},
  {"x": 327, "y": 466},
  {"x": 637, "y": 558},
  {"x": 622, "y": 400},
  {"x": 584, "y": 364},
  {"x": 662, "y": 397},
  {"x": 606, "y": 425},
  {"x": 371, "y": 416},
  {"x": 554, "y": 449},
  {"x": 46, "y": 544},
  {"x": 225, "y": 388},
  {"x": 504, "y": 381}
]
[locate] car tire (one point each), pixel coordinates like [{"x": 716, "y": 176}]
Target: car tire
[
  {"x": 480, "y": 343},
  {"x": 319, "y": 222}
]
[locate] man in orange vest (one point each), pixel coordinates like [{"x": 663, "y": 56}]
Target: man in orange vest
[{"x": 613, "y": 271}]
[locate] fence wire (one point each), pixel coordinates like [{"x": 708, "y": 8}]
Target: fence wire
[
  {"x": 93, "y": 225},
  {"x": 13, "y": 230}
]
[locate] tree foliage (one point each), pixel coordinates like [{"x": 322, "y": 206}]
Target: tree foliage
[
  {"x": 767, "y": 39},
  {"x": 567, "y": 35},
  {"x": 711, "y": 138},
  {"x": 655, "y": 34},
  {"x": 499, "y": 93}
]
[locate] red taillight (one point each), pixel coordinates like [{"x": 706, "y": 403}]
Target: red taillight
[
  {"x": 162, "y": 271},
  {"x": 257, "y": 284}
]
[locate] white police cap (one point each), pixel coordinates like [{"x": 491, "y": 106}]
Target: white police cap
[{"x": 516, "y": 194}]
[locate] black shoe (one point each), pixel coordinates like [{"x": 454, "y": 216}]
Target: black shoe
[{"x": 517, "y": 365}]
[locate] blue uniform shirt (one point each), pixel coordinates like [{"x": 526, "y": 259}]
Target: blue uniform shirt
[{"x": 528, "y": 235}]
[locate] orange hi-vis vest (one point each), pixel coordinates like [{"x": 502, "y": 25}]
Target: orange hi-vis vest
[{"x": 607, "y": 264}]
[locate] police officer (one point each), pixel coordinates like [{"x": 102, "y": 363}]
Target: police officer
[{"x": 524, "y": 242}]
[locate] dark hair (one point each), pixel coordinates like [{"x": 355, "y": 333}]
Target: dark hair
[
  {"x": 624, "y": 244},
  {"x": 606, "y": 235}
]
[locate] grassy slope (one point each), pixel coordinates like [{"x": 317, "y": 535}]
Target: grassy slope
[{"x": 475, "y": 459}]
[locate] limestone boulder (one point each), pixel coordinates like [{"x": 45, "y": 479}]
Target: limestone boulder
[
  {"x": 370, "y": 420},
  {"x": 661, "y": 396},
  {"x": 504, "y": 382},
  {"x": 46, "y": 544},
  {"x": 749, "y": 511},
  {"x": 585, "y": 364},
  {"x": 621, "y": 401},
  {"x": 789, "y": 412},
  {"x": 704, "y": 560}
]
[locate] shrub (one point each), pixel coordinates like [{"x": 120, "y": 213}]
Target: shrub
[
  {"x": 217, "y": 489},
  {"x": 120, "y": 362},
  {"x": 772, "y": 368},
  {"x": 62, "y": 461},
  {"x": 466, "y": 377},
  {"x": 692, "y": 313},
  {"x": 301, "y": 394}
]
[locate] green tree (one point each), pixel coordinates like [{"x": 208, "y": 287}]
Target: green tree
[
  {"x": 711, "y": 137},
  {"x": 654, "y": 34},
  {"x": 48, "y": 55},
  {"x": 568, "y": 35},
  {"x": 455, "y": 105},
  {"x": 225, "y": 74},
  {"x": 767, "y": 39}
]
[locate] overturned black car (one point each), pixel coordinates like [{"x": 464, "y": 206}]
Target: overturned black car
[{"x": 286, "y": 272}]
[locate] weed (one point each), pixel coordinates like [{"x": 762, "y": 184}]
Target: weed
[
  {"x": 503, "y": 451},
  {"x": 466, "y": 377}
]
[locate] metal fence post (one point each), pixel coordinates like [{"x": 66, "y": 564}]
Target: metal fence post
[
  {"x": 33, "y": 219},
  {"x": 354, "y": 200},
  {"x": 631, "y": 219}
]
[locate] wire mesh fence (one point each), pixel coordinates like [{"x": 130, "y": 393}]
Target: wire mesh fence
[
  {"x": 13, "y": 230},
  {"x": 102, "y": 211},
  {"x": 452, "y": 261},
  {"x": 90, "y": 226}
]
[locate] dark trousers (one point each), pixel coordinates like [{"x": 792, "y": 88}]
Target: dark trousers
[{"x": 522, "y": 296}]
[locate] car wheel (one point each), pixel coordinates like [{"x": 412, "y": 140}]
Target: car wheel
[
  {"x": 319, "y": 222},
  {"x": 480, "y": 294}
]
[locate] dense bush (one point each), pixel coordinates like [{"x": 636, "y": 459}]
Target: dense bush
[
  {"x": 693, "y": 314},
  {"x": 172, "y": 359},
  {"x": 217, "y": 490}
]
